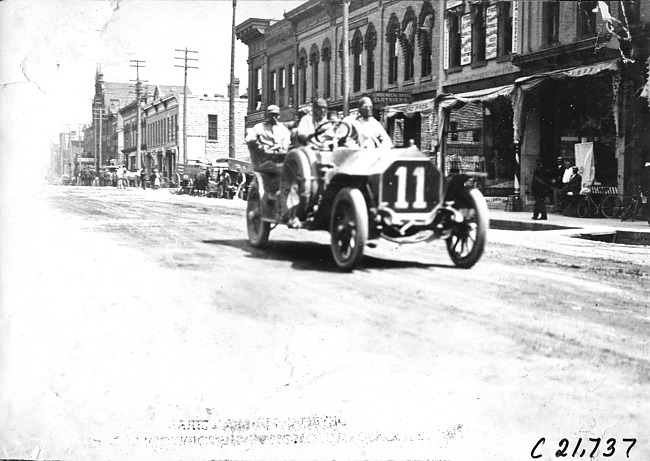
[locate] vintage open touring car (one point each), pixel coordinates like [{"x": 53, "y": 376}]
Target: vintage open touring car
[{"x": 361, "y": 195}]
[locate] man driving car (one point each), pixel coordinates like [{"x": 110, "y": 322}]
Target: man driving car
[{"x": 310, "y": 122}]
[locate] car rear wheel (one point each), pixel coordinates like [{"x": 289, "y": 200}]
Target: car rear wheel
[
  {"x": 467, "y": 241},
  {"x": 258, "y": 230},
  {"x": 348, "y": 228}
]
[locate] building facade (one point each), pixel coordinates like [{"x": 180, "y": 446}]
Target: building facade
[
  {"x": 495, "y": 56},
  {"x": 208, "y": 134}
]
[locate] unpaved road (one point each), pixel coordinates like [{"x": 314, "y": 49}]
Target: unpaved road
[{"x": 141, "y": 325}]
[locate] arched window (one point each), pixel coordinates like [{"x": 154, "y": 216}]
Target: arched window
[
  {"x": 357, "y": 51},
  {"x": 314, "y": 59},
  {"x": 392, "y": 34},
  {"x": 424, "y": 35},
  {"x": 407, "y": 40},
  {"x": 326, "y": 56},
  {"x": 302, "y": 76},
  {"x": 371, "y": 43}
]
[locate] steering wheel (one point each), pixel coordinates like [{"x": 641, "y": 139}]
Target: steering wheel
[{"x": 341, "y": 130}]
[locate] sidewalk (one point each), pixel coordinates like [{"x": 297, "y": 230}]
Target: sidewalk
[{"x": 521, "y": 220}]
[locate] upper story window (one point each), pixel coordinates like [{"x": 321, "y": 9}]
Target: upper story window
[
  {"x": 326, "y": 56},
  {"x": 504, "y": 10},
  {"x": 478, "y": 32},
  {"x": 272, "y": 87},
  {"x": 407, "y": 39},
  {"x": 291, "y": 83},
  {"x": 370, "y": 44},
  {"x": 587, "y": 17},
  {"x": 281, "y": 86},
  {"x": 357, "y": 50},
  {"x": 551, "y": 22},
  {"x": 212, "y": 127},
  {"x": 453, "y": 32},
  {"x": 629, "y": 12},
  {"x": 302, "y": 76},
  {"x": 424, "y": 36},
  {"x": 392, "y": 33},
  {"x": 314, "y": 59},
  {"x": 257, "y": 84}
]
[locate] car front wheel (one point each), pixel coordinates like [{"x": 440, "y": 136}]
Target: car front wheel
[
  {"x": 348, "y": 228},
  {"x": 467, "y": 241}
]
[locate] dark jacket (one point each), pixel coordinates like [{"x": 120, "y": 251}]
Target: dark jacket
[{"x": 540, "y": 184}]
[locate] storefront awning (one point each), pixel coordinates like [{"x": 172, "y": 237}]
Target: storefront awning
[
  {"x": 533, "y": 84},
  {"x": 409, "y": 110}
]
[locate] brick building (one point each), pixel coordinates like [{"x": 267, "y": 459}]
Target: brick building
[
  {"x": 208, "y": 136},
  {"x": 491, "y": 57}
]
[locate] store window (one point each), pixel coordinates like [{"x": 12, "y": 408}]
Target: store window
[{"x": 370, "y": 43}]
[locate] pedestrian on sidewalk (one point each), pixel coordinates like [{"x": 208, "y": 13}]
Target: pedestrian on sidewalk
[
  {"x": 540, "y": 189},
  {"x": 143, "y": 178}
]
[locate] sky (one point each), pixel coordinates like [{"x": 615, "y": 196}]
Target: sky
[{"x": 50, "y": 50}]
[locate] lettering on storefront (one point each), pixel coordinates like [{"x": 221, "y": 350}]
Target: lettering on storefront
[{"x": 388, "y": 97}]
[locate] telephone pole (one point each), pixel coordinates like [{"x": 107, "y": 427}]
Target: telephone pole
[
  {"x": 99, "y": 112},
  {"x": 138, "y": 93},
  {"x": 231, "y": 126},
  {"x": 346, "y": 58},
  {"x": 185, "y": 58}
]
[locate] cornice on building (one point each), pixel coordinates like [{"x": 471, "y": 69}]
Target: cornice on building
[{"x": 252, "y": 29}]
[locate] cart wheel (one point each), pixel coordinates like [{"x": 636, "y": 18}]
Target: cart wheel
[
  {"x": 348, "y": 228},
  {"x": 611, "y": 206},
  {"x": 467, "y": 241},
  {"x": 584, "y": 207},
  {"x": 258, "y": 230}
]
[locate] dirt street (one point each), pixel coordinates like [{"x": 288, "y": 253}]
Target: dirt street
[{"x": 141, "y": 325}]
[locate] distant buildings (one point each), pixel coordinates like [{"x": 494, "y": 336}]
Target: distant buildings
[{"x": 111, "y": 137}]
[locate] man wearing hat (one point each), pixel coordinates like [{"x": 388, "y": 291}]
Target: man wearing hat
[{"x": 269, "y": 136}]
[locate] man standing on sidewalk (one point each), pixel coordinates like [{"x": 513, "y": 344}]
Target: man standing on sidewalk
[{"x": 540, "y": 189}]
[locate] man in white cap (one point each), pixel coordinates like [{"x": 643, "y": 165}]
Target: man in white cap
[{"x": 269, "y": 136}]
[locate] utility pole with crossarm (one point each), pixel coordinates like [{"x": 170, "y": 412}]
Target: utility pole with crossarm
[
  {"x": 138, "y": 130},
  {"x": 185, "y": 66}
]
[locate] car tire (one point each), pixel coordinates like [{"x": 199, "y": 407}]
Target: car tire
[
  {"x": 299, "y": 174},
  {"x": 258, "y": 230},
  {"x": 467, "y": 241},
  {"x": 348, "y": 228}
]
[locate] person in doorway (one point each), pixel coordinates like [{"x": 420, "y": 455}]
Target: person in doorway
[
  {"x": 562, "y": 178},
  {"x": 570, "y": 193},
  {"x": 143, "y": 178},
  {"x": 366, "y": 131},
  {"x": 540, "y": 189}
]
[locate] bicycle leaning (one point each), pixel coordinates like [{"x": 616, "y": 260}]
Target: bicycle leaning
[
  {"x": 635, "y": 207},
  {"x": 595, "y": 203}
]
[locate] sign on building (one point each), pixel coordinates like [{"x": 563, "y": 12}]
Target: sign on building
[
  {"x": 465, "y": 39},
  {"x": 515, "y": 27},
  {"x": 390, "y": 97},
  {"x": 491, "y": 26}
]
